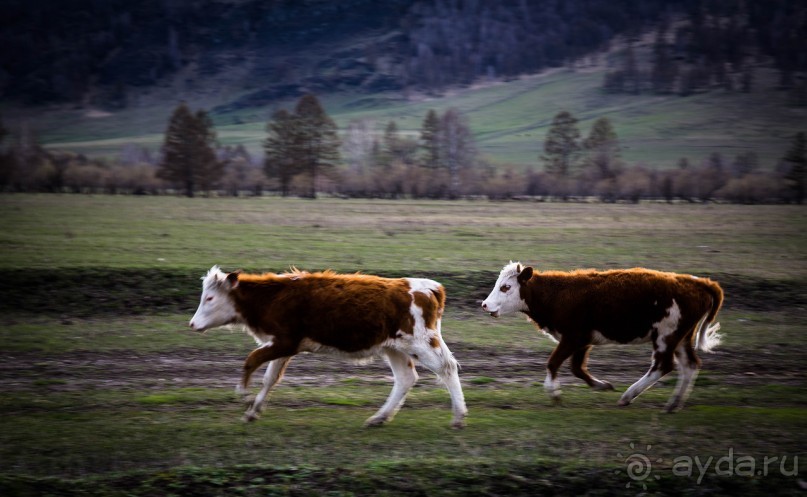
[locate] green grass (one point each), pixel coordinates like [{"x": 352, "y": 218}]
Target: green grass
[
  {"x": 509, "y": 119},
  {"x": 107, "y": 392}
]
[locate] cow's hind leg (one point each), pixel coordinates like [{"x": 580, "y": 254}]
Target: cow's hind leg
[
  {"x": 274, "y": 372},
  {"x": 661, "y": 365},
  {"x": 434, "y": 354},
  {"x": 688, "y": 365},
  {"x": 579, "y": 369},
  {"x": 405, "y": 376}
]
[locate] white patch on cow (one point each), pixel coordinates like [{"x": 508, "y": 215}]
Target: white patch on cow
[
  {"x": 552, "y": 385},
  {"x": 553, "y": 335},
  {"x": 505, "y": 298},
  {"x": 260, "y": 337},
  {"x": 648, "y": 380},
  {"x": 422, "y": 285},
  {"x": 667, "y": 326}
]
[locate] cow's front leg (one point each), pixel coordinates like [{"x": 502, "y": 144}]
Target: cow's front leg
[
  {"x": 259, "y": 356},
  {"x": 560, "y": 354},
  {"x": 274, "y": 373}
]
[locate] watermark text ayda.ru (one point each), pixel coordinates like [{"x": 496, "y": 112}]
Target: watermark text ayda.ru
[
  {"x": 640, "y": 466},
  {"x": 735, "y": 465}
]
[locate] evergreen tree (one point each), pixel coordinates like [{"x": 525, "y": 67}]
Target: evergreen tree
[
  {"x": 562, "y": 146},
  {"x": 429, "y": 138},
  {"x": 208, "y": 168},
  {"x": 281, "y": 149},
  {"x": 602, "y": 148},
  {"x": 391, "y": 145},
  {"x": 398, "y": 148},
  {"x": 664, "y": 70},
  {"x": 456, "y": 147},
  {"x": 796, "y": 158},
  {"x": 189, "y": 156},
  {"x": 318, "y": 142},
  {"x": 6, "y": 159},
  {"x": 633, "y": 78},
  {"x": 3, "y": 131}
]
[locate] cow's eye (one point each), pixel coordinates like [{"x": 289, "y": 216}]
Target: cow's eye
[
  {"x": 504, "y": 288},
  {"x": 208, "y": 299}
]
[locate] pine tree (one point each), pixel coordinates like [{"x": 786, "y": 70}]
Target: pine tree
[
  {"x": 189, "y": 156},
  {"x": 796, "y": 158},
  {"x": 208, "y": 168},
  {"x": 602, "y": 147},
  {"x": 391, "y": 148},
  {"x": 562, "y": 146},
  {"x": 456, "y": 147},
  {"x": 633, "y": 78},
  {"x": 318, "y": 142},
  {"x": 429, "y": 138},
  {"x": 280, "y": 148},
  {"x": 664, "y": 70},
  {"x": 3, "y": 131},
  {"x": 6, "y": 158}
]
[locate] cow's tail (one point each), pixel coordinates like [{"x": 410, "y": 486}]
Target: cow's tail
[{"x": 708, "y": 337}]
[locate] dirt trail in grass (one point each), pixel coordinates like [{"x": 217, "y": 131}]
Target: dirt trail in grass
[{"x": 482, "y": 367}]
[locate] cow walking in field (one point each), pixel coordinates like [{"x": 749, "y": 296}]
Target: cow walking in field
[
  {"x": 354, "y": 316},
  {"x": 579, "y": 309}
]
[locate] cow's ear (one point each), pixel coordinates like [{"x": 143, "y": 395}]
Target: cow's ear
[
  {"x": 232, "y": 279},
  {"x": 525, "y": 274}
]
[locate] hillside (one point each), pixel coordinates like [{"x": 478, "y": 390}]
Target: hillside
[
  {"x": 509, "y": 119},
  {"x": 242, "y": 60}
]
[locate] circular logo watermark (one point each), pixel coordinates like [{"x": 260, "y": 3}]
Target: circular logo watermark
[{"x": 638, "y": 466}]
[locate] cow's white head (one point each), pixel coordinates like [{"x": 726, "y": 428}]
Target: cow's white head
[
  {"x": 506, "y": 295},
  {"x": 216, "y": 307}
]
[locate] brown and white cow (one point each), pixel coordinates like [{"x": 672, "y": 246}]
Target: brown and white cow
[
  {"x": 354, "y": 316},
  {"x": 675, "y": 312}
]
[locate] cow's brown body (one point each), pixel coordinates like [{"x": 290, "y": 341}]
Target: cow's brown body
[
  {"x": 351, "y": 315},
  {"x": 582, "y": 308}
]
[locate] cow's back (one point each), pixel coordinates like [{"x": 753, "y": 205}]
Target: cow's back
[
  {"x": 621, "y": 305},
  {"x": 347, "y": 312}
]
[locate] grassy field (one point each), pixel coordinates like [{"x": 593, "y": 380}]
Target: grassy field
[
  {"x": 509, "y": 119},
  {"x": 106, "y": 392}
]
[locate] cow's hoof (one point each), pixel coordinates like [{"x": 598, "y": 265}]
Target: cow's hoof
[
  {"x": 458, "y": 425},
  {"x": 623, "y": 403},
  {"x": 602, "y": 386},
  {"x": 251, "y": 416},
  {"x": 672, "y": 408},
  {"x": 375, "y": 422}
]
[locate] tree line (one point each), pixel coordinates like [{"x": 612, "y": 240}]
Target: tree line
[
  {"x": 99, "y": 52},
  {"x": 717, "y": 45},
  {"x": 305, "y": 153}
]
